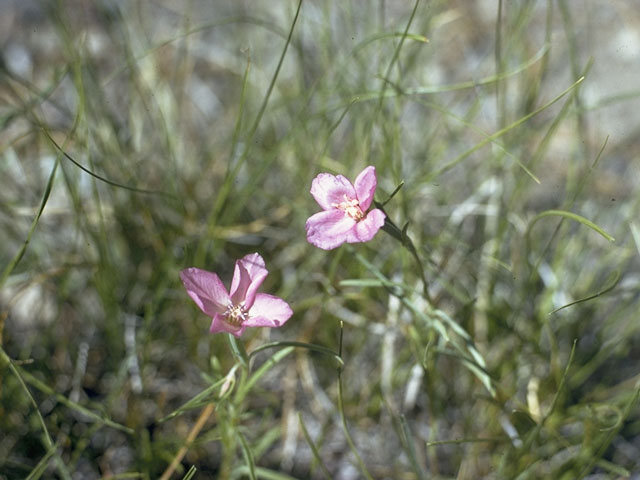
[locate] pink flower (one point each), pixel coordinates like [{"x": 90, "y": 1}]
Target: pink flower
[
  {"x": 241, "y": 308},
  {"x": 344, "y": 217}
]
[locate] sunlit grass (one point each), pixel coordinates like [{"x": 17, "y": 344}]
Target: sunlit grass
[{"x": 489, "y": 331}]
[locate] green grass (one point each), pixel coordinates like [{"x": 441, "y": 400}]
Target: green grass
[{"x": 490, "y": 332}]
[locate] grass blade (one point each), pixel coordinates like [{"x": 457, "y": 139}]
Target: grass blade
[
  {"x": 314, "y": 448},
  {"x": 571, "y": 216},
  {"x": 45, "y": 197}
]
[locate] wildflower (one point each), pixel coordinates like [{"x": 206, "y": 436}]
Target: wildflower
[
  {"x": 242, "y": 307},
  {"x": 344, "y": 217}
]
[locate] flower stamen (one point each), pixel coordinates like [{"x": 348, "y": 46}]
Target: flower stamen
[
  {"x": 235, "y": 315},
  {"x": 351, "y": 207}
]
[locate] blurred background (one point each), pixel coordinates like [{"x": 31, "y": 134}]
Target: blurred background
[{"x": 192, "y": 131}]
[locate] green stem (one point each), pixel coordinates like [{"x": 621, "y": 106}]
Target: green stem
[
  {"x": 238, "y": 350},
  {"x": 404, "y": 239}
]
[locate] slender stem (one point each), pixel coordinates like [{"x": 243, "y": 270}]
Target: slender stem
[
  {"x": 238, "y": 350},
  {"x": 401, "y": 235},
  {"x": 48, "y": 442},
  {"x": 202, "y": 419},
  {"x": 224, "y": 193},
  {"x": 352, "y": 446}
]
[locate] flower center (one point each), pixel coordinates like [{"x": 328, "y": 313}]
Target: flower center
[
  {"x": 235, "y": 315},
  {"x": 350, "y": 207}
]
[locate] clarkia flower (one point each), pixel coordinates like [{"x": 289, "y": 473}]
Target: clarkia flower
[
  {"x": 344, "y": 217},
  {"x": 242, "y": 306}
]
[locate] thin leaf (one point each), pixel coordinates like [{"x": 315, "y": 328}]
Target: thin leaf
[
  {"x": 261, "y": 472},
  {"x": 407, "y": 440},
  {"x": 66, "y": 402},
  {"x": 6, "y": 360},
  {"x": 314, "y": 448},
  {"x": 502, "y": 131},
  {"x": 366, "y": 96},
  {"x": 361, "y": 282},
  {"x": 199, "y": 400},
  {"x": 382, "y": 36},
  {"x": 229, "y": 183},
  {"x": 308, "y": 346},
  {"x": 536, "y": 431},
  {"x": 190, "y": 473},
  {"x": 396, "y": 53},
  {"x": 595, "y": 457},
  {"x": 572, "y": 216},
  {"x": 392, "y": 194},
  {"x": 238, "y": 350},
  {"x": 45, "y": 197},
  {"x": 248, "y": 456},
  {"x": 610, "y": 286},
  {"x": 244, "y": 389},
  {"x": 42, "y": 465},
  {"x": 460, "y": 441},
  {"x": 100, "y": 177},
  {"x": 345, "y": 429}
]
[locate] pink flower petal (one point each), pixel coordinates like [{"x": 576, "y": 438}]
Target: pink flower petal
[
  {"x": 329, "y": 229},
  {"x": 366, "y": 228},
  {"x": 329, "y": 190},
  {"x": 206, "y": 289},
  {"x": 219, "y": 325},
  {"x": 248, "y": 275},
  {"x": 268, "y": 311},
  {"x": 365, "y": 186}
]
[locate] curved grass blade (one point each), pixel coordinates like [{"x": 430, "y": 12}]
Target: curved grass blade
[
  {"x": 6, "y": 360},
  {"x": 612, "y": 434},
  {"x": 39, "y": 96},
  {"x": 610, "y": 286},
  {"x": 232, "y": 171},
  {"x": 45, "y": 197},
  {"x": 502, "y": 131},
  {"x": 44, "y": 388},
  {"x": 578, "y": 191},
  {"x": 308, "y": 346},
  {"x": 99, "y": 177},
  {"x": 126, "y": 65},
  {"x": 366, "y": 96},
  {"x": 478, "y": 130},
  {"x": 571, "y": 216}
]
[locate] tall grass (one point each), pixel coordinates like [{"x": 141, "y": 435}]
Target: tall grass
[{"x": 489, "y": 332}]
